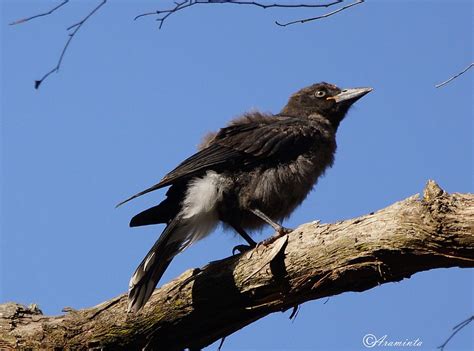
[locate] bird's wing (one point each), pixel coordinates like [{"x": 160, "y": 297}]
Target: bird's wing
[{"x": 243, "y": 145}]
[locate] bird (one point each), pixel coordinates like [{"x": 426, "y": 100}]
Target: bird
[{"x": 251, "y": 173}]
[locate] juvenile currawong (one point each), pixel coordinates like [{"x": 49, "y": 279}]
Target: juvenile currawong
[{"x": 253, "y": 172}]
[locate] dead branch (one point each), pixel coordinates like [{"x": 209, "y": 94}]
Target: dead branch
[
  {"x": 312, "y": 262},
  {"x": 179, "y": 6},
  {"x": 26, "y": 19},
  {"x": 455, "y": 76},
  {"x": 320, "y": 17},
  {"x": 456, "y": 329},
  {"x": 74, "y": 29}
]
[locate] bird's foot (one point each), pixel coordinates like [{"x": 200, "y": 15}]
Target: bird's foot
[
  {"x": 281, "y": 231},
  {"x": 240, "y": 249}
]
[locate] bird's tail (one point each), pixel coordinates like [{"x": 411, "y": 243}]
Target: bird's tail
[
  {"x": 181, "y": 232},
  {"x": 151, "y": 269}
]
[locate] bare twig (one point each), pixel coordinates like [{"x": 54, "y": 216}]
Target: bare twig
[
  {"x": 319, "y": 17},
  {"x": 188, "y": 3},
  {"x": 455, "y": 76},
  {"x": 268, "y": 6},
  {"x": 23, "y": 20},
  {"x": 456, "y": 329},
  {"x": 221, "y": 344},
  {"x": 294, "y": 313},
  {"x": 76, "y": 28},
  {"x": 181, "y": 5}
]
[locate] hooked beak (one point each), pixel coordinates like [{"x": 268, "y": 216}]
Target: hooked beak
[{"x": 351, "y": 95}]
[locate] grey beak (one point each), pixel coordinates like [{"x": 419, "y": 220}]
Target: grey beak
[{"x": 351, "y": 94}]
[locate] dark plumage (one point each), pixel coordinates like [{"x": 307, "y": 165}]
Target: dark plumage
[{"x": 256, "y": 170}]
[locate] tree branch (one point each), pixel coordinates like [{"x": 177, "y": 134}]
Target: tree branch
[
  {"x": 319, "y": 17},
  {"x": 75, "y": 28},
  {"x": 312, "y": 262},
  {"x": 179, "y": 6},
  {"x": 455, "y": 76},
  {"x": 23, "y": 20},
  {"x": 456, "y": 329}
]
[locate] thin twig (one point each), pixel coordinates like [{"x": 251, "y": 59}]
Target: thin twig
[
  {"x": 23, "y": 20},
  {"x": 457, "y": 328},
  {"x": 76, "y": 27},
  {"x": 188, "y": 3},
  {"x": 267, "y": 6},
  {"x": 294, "y": 313},
  {"x": 319, "y": 17},
  {"x": 455, "y": 76},
  {"x": 221, "y": 344}
]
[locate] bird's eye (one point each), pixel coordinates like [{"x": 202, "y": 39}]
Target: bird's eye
[{"x": 320, "y": 93}]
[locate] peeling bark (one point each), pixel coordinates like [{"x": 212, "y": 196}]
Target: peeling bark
[{"x": 314, "y": 261}]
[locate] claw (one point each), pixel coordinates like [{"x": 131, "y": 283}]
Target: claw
[
  {"x": 278, "y": 234},
  {"x": 241, "y": 249},
  {"x": 282, "y": 231}
]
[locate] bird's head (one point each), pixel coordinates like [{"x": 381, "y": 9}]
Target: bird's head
[{"x": 324, "y": 99}]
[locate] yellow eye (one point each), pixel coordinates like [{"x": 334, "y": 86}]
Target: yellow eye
[{"x": 320, "y": 93}]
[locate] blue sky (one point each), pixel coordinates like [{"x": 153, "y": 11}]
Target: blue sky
[{"x": 132, "y": 101}]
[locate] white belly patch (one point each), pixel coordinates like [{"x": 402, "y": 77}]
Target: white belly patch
[{"x": 198, "y": 213}]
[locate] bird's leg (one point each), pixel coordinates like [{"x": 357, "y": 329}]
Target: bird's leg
[
  {"x": 243, "y": 234},
  {"x": 279, "y": 230}
]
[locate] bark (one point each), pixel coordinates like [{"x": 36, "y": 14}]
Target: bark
[{"x": 314, "y": 261}]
